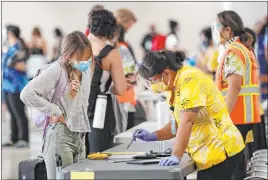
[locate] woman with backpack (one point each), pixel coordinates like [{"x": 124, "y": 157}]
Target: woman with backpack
[
  {"x": 108, "y": 79},
  {"x": 68, "y": 121},
  {"x": 14, "y": 80}
]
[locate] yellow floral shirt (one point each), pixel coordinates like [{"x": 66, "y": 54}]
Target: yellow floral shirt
[{"x": 213, "y": 136}]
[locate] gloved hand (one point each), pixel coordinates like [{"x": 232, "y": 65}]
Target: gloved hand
[
  {"x": 144, "y": 135},
  {"x": 169, "y": 161}
]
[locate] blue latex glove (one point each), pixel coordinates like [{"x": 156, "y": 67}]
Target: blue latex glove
[
  {"x": 144, "y": 135},
  {"x": 169, "y": 161}
]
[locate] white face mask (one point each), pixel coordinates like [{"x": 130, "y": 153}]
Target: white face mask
[{"x": 215, "y": 30}]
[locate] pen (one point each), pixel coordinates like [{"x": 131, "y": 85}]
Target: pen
[{"x": 132, "y": 139}]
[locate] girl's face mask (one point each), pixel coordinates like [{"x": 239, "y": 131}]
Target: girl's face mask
[{"x": 81, "y": 65}]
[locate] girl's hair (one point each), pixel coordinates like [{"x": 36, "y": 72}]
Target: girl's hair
[
  {"x": 36, "y": 32},
  {"x": 75, "y": 44},
  {"x": 102, "y": 23},
  {"x": 155, "y": 62},
  {"x": 233, "y": 20}
]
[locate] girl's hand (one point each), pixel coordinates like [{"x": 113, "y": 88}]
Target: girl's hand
[
  {"x": 57, "y": 119},
  {"x": 75, "y": 85}
]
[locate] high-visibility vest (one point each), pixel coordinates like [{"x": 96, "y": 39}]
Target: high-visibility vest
[{"x": 247, "y": 107}]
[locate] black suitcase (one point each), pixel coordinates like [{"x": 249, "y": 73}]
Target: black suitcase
[{"x": 33, "y": 169}]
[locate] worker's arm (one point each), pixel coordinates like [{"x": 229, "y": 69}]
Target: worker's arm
[
  {"x": 234, "y": 87},
  {"x": 184, "y": 131},
  {"x": 192, "y": 97},
  {"x": 234, "y": 72},
  {"x": 165, "y": 133}
]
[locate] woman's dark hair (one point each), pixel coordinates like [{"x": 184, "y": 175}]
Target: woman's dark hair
[
  {"x": 233, "y": 20},
  {"x": 207, "y": 33},
  {"x": 155, "y": 62},
  {"x": 253, "y": 34},
  {"x": 15, "y": 30},
  {"x": 36, "y": 32},
  {"x": 58, "y": 32},
  {"x": 102, "y": 23}
]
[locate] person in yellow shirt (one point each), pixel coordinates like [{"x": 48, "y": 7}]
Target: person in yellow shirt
[
  {"x": 201, "y": 124},
  {"x": 209, "y": 61}
]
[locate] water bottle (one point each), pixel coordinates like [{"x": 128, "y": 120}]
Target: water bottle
[{"x": 100, "y": 111}]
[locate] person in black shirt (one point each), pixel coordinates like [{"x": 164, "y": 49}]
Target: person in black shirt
[{"x": 148, "y": 38}]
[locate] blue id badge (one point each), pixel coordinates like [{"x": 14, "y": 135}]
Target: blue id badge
[{"x": 173, "y": 125}]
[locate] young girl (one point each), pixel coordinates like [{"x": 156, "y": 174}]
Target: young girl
[{"x": 68, "y": 117}]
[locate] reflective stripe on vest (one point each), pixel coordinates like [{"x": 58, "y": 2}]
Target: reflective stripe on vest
[{"x": 245, "y": 90}]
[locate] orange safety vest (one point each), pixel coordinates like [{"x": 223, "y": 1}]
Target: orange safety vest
[{"x": 246, "y": 110}]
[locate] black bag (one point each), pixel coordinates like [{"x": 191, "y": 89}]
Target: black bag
[{"x": 33, "y": 169}]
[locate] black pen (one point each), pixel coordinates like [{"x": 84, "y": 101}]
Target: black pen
[{"x": 132, "y": 139}]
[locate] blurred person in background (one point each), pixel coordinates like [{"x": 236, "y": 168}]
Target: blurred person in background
[
  {"x": 146, "y": 43},
  {"x": 209, "y": 61},
  {"x": 96, "y": 7},
  {"x": 58, "y": 35},
  {"x": 14, "y": 80},
  {"x": 108, "y": 78},
  {"x": 237, "y": 76},
  {"x": 37, "y": 44},
  {"x": 126, "y": 19},
  {"x": 38, "y": 49},
  {"x": 126, "y": 104},
  {"x": 260, "y": 29},
  {"x": 172, "y": 39},
  {"x": 4, "y": 49}
]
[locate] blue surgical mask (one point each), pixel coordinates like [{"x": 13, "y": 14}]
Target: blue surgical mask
[{"x": 82, "y": 65}]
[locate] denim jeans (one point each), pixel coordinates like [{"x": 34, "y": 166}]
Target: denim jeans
[{"x": 69, "y": 145}]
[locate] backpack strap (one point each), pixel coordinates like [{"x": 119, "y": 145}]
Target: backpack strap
[
  {"x": 104, "y": 52},
  {"x": 61, "y": 85}
]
